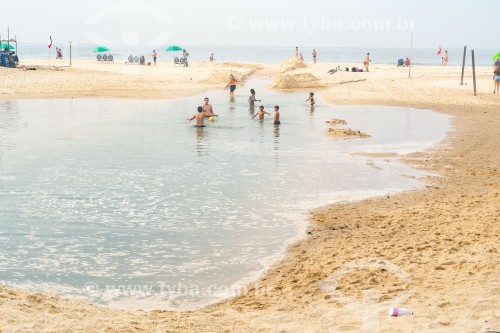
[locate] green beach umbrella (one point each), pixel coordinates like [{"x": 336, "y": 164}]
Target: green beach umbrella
[
  {"x": 3, "y": 46},
  {"x": 496, "y": 56},
  {"x": 173, "y": 48},
  {"x": 101, "y": 49}
]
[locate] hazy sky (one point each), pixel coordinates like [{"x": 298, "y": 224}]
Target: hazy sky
[{"x": 313, "y": 23}]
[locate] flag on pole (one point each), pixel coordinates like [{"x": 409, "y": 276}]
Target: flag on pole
[
  {"x": 50, "y": 41},
  {"x": 439, "y": 51}
]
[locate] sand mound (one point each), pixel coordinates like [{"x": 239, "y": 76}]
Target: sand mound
[
  {"x": 336, "y": 122},
  {"x": 292, "y": 64},
  {"x": 345, "y": 133},
  {"x": 292, "y": 81},
  {"x": 221, "y": 76}
]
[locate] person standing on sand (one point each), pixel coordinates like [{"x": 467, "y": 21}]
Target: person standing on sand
[
  {"x": 301, "y": 57},
  {"x": 367, "y": 61},
  {"x": 154, "y": 56},
  {"x": 231, "y": 84},
  {"x": 200, "y": 118},
  {"x": 296, "y": 51},
  {"x": 261, "y": 113},
  {"x": 496, "y": 78},
  {"x": 311, "y": 99},
  {"x": 445, "y": 58},
  {"x": 207, "y": 108},
  {"x": 212, "y": 57},
  {"x": 314, "y": 54},
  {"x": 277, "y": 115}
]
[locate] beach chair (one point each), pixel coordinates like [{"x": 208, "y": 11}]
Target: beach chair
[
  {"x": 99, "y": 57},
  {"x": 104, "y": 57},
  {"x": 111, "y": 58},
  {"x": 176, "y": 61},
  {"x": 136, "y": 60},
  {"x": 401, "y": 62}
]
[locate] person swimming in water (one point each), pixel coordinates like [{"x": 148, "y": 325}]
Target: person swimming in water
[
  {"x": 252, "y": 99},
  {"x": 311, "y": 99},
  {"x": 200, "y": 118},
  {"x": 261, "y": 113},
  {"x": 277, "y": 115}
]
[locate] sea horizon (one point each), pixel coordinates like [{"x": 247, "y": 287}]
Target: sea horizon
[{"x": 263, "y": 54}]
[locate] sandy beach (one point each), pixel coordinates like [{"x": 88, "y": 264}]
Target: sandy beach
[{"x": 437, "y": 246}]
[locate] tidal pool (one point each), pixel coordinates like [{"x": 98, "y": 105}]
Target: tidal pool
[{"x": 124, "y": 203}]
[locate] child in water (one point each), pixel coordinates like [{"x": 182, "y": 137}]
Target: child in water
[
  {"x": 311, "y": 98},
  {"x": 277, "y": 115},
  {"x": 252, "y": 99},
  {"x": 261, "y": 113}
]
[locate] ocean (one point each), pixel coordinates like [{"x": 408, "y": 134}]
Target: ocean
[{"x": 259, "y": 54}]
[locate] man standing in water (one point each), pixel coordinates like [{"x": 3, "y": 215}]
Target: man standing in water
[
  {"x": 207, "y": 109},
  {"x": 200, "y": 118}
]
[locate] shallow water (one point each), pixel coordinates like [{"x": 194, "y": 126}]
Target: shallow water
[{"x": 125, "y": 203}]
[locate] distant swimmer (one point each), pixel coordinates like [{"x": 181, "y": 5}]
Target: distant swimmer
[
  {"x": 311, "y": 99},
  {"x": 200, "y": 118},
  {"x": 252, "y": 99},
  {"x": 277, "y": 115},
  {"x": 208, "y": 110},
  {"x": 261, "y": 113}
]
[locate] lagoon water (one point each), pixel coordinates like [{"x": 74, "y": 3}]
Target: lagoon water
[{"x": 124, "y": 203}]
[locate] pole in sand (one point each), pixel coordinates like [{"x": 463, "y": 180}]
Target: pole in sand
[
  {"x": 463, "y": 66},
  {"x": 69, "y": 53},
  {"x": 474, "y": 72}
]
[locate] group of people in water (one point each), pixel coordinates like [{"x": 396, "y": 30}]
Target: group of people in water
[{"x": 207, "y": 111}]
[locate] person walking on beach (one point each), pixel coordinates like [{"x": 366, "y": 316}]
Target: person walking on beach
[
  {"x": 231, "y": 85},
  {"x": 277, "y": 115},
  {"x": 261, "y": 113},
  {"x": 496, "y": 78},
  {"x": 296, "y": 51},
  {"x": 154, "y": 56},
  {"x": 252, "y": 99},
  {"x": 445, "y": 58},
  {"x": 212, "y": 57},
  {"x": 200, "y": 118},
  {"x": 207, "y": 108},
  {"x": 311, "y": 99},
  {"x": 367, "y": 61},
  {"x": 314, "y": 54}
]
